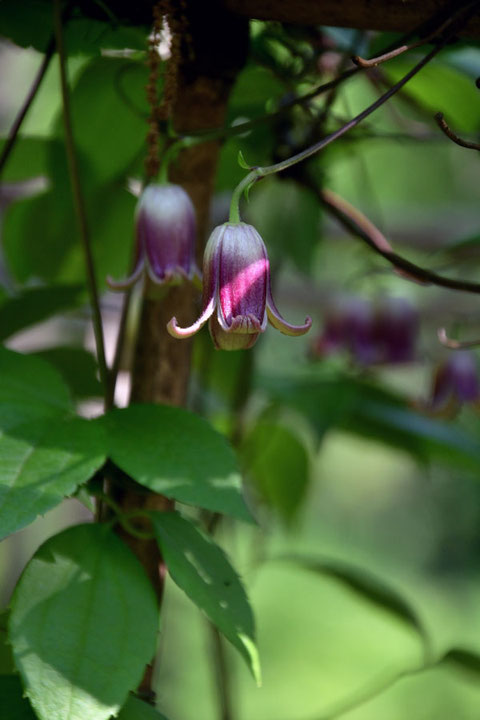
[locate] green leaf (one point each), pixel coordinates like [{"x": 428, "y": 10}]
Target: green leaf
[
  {"x": 278, "y": 463},
  {"x": 293, "y": 230},
  {"x": 36, "y": 246},
  {"x": 242, "y": 162},
  {"x": 29, "y": 158},
  {"x": 83, "y": 625},
  {"x": 135, "y": 709},
  {"x": 110, "y": 92},
  {"x": 368, "y": 586},
  {"x": 201, "y": 569},
  {"x": 42, "y": 462},
  {"x": 176, "y": 453},
  {"x": 78, "y": 367},
  {"x": 30, "y": 23},
  {"x": 461, "y": 659},
  {"x": 7, "y": 665},
  {"x": 441, "y": 88},
  {"x": 13, "y": 706},
  {"x": 36, "y": 304},
  {"x": 29, "y": 388},
  {"x": 363, "y": 409}
]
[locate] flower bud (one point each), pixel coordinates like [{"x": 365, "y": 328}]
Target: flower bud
[
  {"x": 165, "y": 237},
  {"x": 237, "y": 298}
]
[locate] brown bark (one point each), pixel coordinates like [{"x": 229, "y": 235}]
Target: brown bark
[
  {"x": 161, "y": 368},
  {"x": 392, "y": 15}
]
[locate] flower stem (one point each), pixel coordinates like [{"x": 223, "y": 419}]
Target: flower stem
[{"x": 79, "y": 202}]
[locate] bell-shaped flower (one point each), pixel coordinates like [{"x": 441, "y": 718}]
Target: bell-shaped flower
[
  {"x": 165, "y": 229},
  {"x": 237, "y": 297},
  {"x": 372, "y": 333},
  {"x": 455, "y": 382}
]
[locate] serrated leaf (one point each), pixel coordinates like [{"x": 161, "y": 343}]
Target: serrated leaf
[
  {"x": 43, "y": 462},
  {"x": 78, "y": 367},
  {"x": 368, "y": 586},
  {"x": 13, "y": 706},
  {"x": 30, "y": 388},
  {"x": 36, "y": 304},
  {"x": 135, "y": 709},
  {"x": 176, "y": 453},
  {"x": 201, "y": 569},
  {"x": 278, "y": 464},
  {"x": 83, "y": 625}
]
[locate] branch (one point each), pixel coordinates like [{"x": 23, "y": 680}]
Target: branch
[
  {"x": 17, "y": 123},
  {"x": 359, "y": 225},
  {"x": 455, "y": 344},
  {"x": 78, "y": 200},
  {"x": 372, "y": 62},
  {"x": 450, "y": 134},
  {"x": 260, "y": 172}
]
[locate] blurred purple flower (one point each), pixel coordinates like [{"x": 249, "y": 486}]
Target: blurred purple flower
[
  {"x": 237, "y": 298},
  {"x": 396, "y": 330},
  {"x": 385, "y": 332},
  {"x": 455, "y": 381},
  {"x": 165, "y": 237}
]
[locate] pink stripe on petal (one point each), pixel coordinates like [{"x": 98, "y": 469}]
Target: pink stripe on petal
[{"x": 242, "y": 273}]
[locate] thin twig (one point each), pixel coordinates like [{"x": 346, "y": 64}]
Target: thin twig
[
  {"x": 455, "y": 344},
  {"x": 115, "y": 367},
  {"x": 17, "y": 123},
  {"x": 79, "y": 202},
  {"x": 453, "y": 136},
  {"x": 359, "y": 225},
  {"x": 258, "y": 173},
  {"x": 223, "y": 679},
  {"x": 372, "y": 62}
]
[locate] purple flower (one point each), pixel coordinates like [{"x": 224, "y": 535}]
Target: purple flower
[
  {"x": 165, "y": 233},
  {"x": 237, "y": 298},
  {"x": 396, "y": 330},
  {"x": 373, "y": 334},
  {"x": 455, "y": 381}
]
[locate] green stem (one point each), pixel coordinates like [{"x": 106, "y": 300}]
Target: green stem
[
  {"x": 261, "y": 172},
  {"x": 124, "y": 518},
  {"x": 79, "y": 201}
]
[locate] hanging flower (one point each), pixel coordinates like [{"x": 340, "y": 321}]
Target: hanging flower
[
  {"x": 378, "y": 333},
  {"x": 237, "y": 298},
  {"x": 455, "y": 382},
  {"x": 165, "y": 235}
]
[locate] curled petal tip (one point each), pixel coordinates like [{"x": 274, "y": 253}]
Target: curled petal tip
[
  {"x": 180, "y": 333},
  {"x": 279, "y": 323},
  {"x": 125, "y": 283}
]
